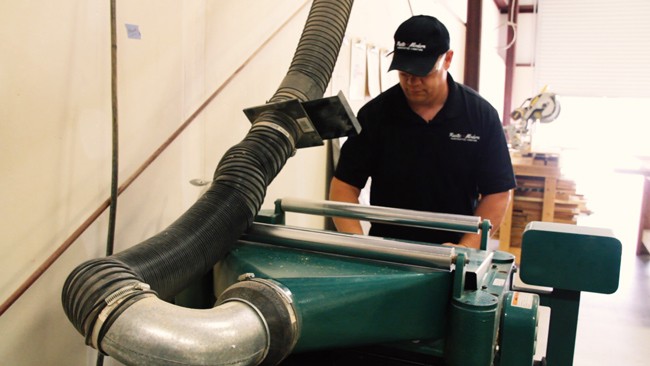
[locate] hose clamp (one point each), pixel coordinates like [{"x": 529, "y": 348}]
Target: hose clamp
[
  {"x": 113, "y": 301},
  {"x": 278, "y": 128},
  {"x": 275, "y": 302}
]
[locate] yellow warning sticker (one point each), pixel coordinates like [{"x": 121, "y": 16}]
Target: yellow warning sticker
[{"x": 522, "y": 300}]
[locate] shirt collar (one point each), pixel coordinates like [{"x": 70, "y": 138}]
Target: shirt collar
[
  {"x": 452, "y": 107},
  {"x": 453, "y": 104}
]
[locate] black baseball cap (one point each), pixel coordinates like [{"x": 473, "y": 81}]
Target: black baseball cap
[{"x": 419, "y": 41}]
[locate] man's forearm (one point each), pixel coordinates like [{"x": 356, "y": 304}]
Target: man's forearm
[
  {"x": 491, "y": 207},
  {"x": 343, "y": 192}
]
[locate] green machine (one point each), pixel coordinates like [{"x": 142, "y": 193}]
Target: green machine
[{"x": 337, "y": 299}]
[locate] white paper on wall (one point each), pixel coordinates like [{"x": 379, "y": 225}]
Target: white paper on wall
[
  {"x": 358, "y": 70},
  {"x": 341, "y": 74},
  {"x": 374, "y": 74},
  {"x": 388, "y": 78}
]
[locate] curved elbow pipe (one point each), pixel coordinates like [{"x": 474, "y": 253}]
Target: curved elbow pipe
[
  {"x": 154, "y": 332},
  {"x": 238, "y": 332},
  {"x": 100, "y": 296}
]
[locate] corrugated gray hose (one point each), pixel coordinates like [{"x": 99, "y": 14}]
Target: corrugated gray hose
[{"x": 115, "y": 302}]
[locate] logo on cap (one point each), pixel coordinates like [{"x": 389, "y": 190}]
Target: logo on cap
[{"x": 413, "y": 46}]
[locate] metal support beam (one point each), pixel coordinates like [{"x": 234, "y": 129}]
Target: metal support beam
[
  {"x": 473, "y": 44},
  {"x": 502, "y": 5},
  {"x": 510, "y": 63}
]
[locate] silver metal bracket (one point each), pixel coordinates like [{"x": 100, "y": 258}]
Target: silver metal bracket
[{"x": 318, "y": 119}]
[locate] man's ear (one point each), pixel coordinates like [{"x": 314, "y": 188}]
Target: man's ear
[{"x": 448, "y": 57}]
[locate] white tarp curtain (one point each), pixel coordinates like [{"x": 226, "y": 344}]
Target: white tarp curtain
[{"x": 594, "y": 48}]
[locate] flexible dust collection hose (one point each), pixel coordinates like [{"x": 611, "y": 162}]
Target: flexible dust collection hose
[{"x": 98, "y": 292}]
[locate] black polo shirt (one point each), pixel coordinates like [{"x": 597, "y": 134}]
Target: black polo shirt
[{"x": 440, "y": 166}]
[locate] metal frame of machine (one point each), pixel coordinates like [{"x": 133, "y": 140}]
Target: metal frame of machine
[{"x": 362, "y": 300}]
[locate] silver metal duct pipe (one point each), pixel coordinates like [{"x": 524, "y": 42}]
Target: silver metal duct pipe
[
  {"x": 238, "y": 332},
  {"x": 154, "y": 332}
]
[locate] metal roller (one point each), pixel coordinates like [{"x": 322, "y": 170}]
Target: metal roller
[
  {"x": 353, "y": 245},
  {"x": 388, "y": 215}
]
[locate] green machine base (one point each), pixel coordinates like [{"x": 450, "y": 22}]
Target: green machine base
[{"x": 361, "y": 300}]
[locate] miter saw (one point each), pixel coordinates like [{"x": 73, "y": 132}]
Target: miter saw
[{"x": 542, "y": 108}]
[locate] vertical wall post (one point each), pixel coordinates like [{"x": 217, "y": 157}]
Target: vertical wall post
[
  {"x": 511, "y": 62},
  {"x": 473, "y": 43}
]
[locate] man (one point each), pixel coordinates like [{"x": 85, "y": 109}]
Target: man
[{"x": 429, "y": 144}]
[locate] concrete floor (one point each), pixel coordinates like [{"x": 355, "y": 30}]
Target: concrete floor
[{"x": 615, "y": 329}]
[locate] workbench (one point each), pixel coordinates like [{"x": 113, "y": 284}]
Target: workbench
[{"x": 542, "y": 194}]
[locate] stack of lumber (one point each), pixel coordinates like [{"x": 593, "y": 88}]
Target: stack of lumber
[{"x": 529, "y": 199}]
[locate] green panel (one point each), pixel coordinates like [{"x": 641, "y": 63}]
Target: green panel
[
  {"x": 344, "y": 301},
  {"x": 570, "y": 257},
  {"x": 472, "y": 328},
  {"x": 270, "y": 261},
  {"x": 518, "y": 329},
  {"x": 459, "y": 277},
  {"x": 349, "y": 311},
  {"x": 563, "y": 327}
]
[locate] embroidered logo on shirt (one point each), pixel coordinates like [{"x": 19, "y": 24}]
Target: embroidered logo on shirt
[{"x": 467, "y": 137}]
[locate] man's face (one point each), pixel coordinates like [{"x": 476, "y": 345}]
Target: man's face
[{"x": 428, "y": 89}]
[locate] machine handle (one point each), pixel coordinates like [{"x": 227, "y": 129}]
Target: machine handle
[{"x": 389, "y": 215}]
